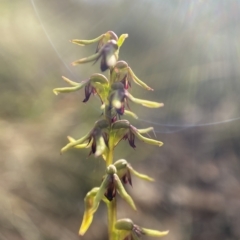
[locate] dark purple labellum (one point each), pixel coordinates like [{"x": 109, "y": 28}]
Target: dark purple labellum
[
  {"x": 103, "y": 64},
  {"x": 127, "y": 178},
  {"x": 125, "y": 82},
  {"x": 105, "y": 137},
  {"x": 131, "y": 139},
  {"x": 88, "y": 91},
  {"x": 111, "y": 190},
  {"x": 93, "y": 147}
]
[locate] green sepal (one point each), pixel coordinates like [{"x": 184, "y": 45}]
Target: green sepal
[
  {"x": 119, "y": 129},
  {"x": 122, "y": 166},
  {"x": 94, "y": 133},
  {"x": 124, "y": 224},
  {"x": 144, "y": 103},
  {"x": 121, "y": 39},
  {"x": 121, "y": 124},
  {"x": 76, "y": 86},
  {"x": 91, "y": 58},
  {"x": 101, "y": 191},
  {"x": 118, "y": 135},
  {"x": 138, "y": 81},
  {"x": 77, "y": 142},
  {"x": 100, "y": 145},
  {"x": 119, "y": 71},
  {"x": 101, "y": 84},
  {"x": 83, "y": 145},
  {"x": 87, "y": 42},
  {"x": 122, "y": 192},
  {"x": 146, "y": 130},
  {"x": 129, "y": 113},
  {"x": 88, "y": 213},
  {"x": 140, "y": 175},
  {"x": 145, "y": 139},
  {"x": 154, "y": 233}
]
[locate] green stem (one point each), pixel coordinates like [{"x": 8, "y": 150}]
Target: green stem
[
  {"x": 112, "y": 205},
  {"x": 112, "y": 218}
]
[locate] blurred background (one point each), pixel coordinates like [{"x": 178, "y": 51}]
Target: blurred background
[{"x": 187, "y": 50}]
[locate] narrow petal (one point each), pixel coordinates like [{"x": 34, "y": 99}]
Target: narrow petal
[
  {"x": 56, "y": 91},
  {"x": 76, "y": 86},
  {"x": 138, "y": 81},
  {"x": 83, "y": 145},
  {"x": 139, "y": 175},
  {"x": 86, "y": 222},
  {"x": 154, "y": 233},
  {"x": 145, "y": 130},
  {"x": 100, "y": 146},
  {"x": 86, "y": 42},
  {"x": 122, "y": 39},
  {"x": 122, "y": 192},
  {"x": 144, "y": 139},
  {"x": 99, "y": 78},
  {"x": 91, "y": 58},
  {"x": 77, "y": 142},
  {"x": 129, "y": 113},
  {"x": 70, "y": 81},
  {"x": 88, "y": 213},
  {"x": 144, "y": 103},
  {"x": 100, "y": 194}
]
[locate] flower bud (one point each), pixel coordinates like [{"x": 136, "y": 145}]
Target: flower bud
[
  {"x": 124, "y": 224},
  {"x": 121, "y": 124}
]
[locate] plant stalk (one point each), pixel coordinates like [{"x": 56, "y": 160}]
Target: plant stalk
[{"x": 112, "y": 205}]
